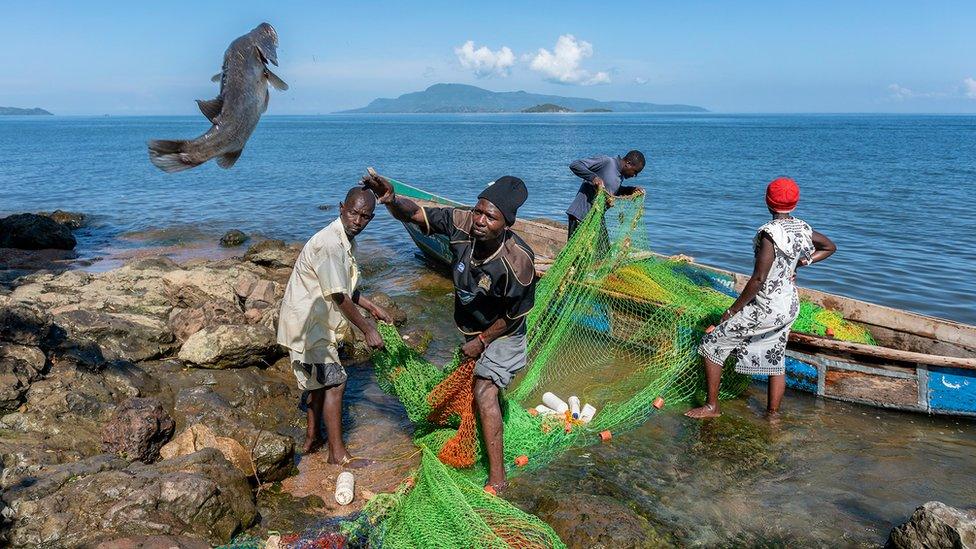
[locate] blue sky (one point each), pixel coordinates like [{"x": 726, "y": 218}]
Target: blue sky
[{"x": 155, "y": 58}]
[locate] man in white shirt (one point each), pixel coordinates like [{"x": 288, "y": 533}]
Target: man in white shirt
[{"x": 318, "y": 312}]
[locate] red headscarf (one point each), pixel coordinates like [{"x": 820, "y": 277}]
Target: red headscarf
[{"x": 782, "y": 194}]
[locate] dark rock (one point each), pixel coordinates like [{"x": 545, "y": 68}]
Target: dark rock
[
  {"x": 34, "y": 232},
  {"x": 138, "y": 430},
  {"x": 154, "y": 542},
  {"x": 272, "y": 453},
  {"x": 78, "y": 353},
  {"x": 231, "y": 347},
  {"x": 186, "y": 322},
  {"x": 22, "y": 325},
  {"x": 385, "y": 301},
  {"x": 272, "y": 253},
  {"x": 325, "y": 207},
  {"x": 233, "y": 238},
  {"x": 936, "y": 525},
  {"x": 164, "y": 264},
  {"x": 71, "y": 220},
  {"x": 597, "y": 521},
  {"x": 69, "y": 407},
  {"x": 80, "y": 504},
  {"x": 19, "y": 367},
  {"x": 125, "y": 336}
]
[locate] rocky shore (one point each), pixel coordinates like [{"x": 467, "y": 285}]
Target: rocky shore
[{"x": 152, "y": 400}]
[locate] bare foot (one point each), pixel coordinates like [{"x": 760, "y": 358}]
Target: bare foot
[
  {"x": 311, "y": 446},
  {"x": 349, "y": 462},
  {"x": 704, "y": 412},
  {"x": 496, "y": 488}
]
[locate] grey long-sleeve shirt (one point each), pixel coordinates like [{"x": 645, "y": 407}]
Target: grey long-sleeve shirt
[{"x": 606, "y": 168}]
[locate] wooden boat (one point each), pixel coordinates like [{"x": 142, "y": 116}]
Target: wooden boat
[{"x": 921, "y": 363}]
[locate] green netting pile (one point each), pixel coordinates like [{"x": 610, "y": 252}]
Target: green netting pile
[{"x": 613, "y": 324}]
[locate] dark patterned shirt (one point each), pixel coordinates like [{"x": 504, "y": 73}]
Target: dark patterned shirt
[{"x": 484, "y": 291}]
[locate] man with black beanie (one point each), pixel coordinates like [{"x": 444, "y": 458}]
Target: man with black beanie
[{"x": 494, "y": 290}]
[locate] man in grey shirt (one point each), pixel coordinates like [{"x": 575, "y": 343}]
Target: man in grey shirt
[{"x": 606, "y": 172}]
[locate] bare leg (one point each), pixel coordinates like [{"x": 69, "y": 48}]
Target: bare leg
[
  {"x": 776, "y": 388},
  {"x": 313, "y": 415},
  {"x": 490, "y": 416},
  {"x": 338, "y": 455},
  {"x": 713, "y": 377}
]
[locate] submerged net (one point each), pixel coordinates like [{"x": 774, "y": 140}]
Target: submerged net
[{"x": 613, "y": 324}]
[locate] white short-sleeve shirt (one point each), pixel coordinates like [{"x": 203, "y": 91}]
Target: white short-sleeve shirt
[{"x": 309, "y": 318}]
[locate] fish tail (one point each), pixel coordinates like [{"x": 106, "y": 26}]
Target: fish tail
[{"x": 170, "y": 156}]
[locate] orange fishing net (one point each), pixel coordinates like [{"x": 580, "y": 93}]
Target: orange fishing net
[{"x": 450, "y": 400}]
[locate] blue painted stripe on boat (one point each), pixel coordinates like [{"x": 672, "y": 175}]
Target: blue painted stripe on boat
[
  {"x": 951, "y": 389},
  {"x": 799, "y": 376}
]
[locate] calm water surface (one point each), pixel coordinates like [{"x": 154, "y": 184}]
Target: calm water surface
[{"x": 895, "y": 192}]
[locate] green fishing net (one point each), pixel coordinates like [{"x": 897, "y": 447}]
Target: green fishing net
[{"x": 613, "y": 324}]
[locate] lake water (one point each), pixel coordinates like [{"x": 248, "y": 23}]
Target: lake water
[{"x": 896, "y": 193}]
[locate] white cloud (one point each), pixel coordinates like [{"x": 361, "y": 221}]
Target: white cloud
[
  {"x": 484, "y": 62},
  {"x": 900, "y": 92},
  {"x": 969, "y": 87},
  {"x": 562, "y": 65},
  {"x": 640, "y": 81}
]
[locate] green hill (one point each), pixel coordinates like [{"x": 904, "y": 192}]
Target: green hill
[
  {"x": 461, "y": 98},
  {"x": 14, "y": 111}
]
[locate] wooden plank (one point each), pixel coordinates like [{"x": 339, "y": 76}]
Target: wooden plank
[
  {"x": 887, "y": 392},
  {"x": 858, "y": 349}
]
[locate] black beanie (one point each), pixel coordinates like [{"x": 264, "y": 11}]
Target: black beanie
[{"x": 507, "y": 194}]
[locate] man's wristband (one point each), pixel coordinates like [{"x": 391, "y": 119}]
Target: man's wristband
[{"x": 484, "y": 344}]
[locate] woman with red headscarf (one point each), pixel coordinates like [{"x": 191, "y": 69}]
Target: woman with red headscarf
[{"x": 755, "y": 328}]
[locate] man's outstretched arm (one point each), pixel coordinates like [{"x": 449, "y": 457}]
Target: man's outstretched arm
[
  {"x": 403, "y": 209},
  {"x": 348, "y": 309}
]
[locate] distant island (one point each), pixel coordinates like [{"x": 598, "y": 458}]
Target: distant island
[
  {"x": 14, "y": 111},
  {"x": 462, "y": 98},
  {"x": 547, "y": 107}
]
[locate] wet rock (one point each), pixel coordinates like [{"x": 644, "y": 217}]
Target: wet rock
[
  {"x": 325, "y": 207},
  {"x": 127, "y": 336},
  {"x": 19, "y": 367},
  {"x": 936, "y": 525},
  {"x": 34, "y": 232},
  {"x": 230, "y": 347},
  {"x": 418, "y": 339},
  {"x": 154, "y": 542},
  {"x": 385, "y": 301},
  {"x": 79, "y": 504},
  {"x": 139, "y": 428},
  {"x": 272, "y": 253},
  {"x": 71, "y": 220},
  {"x": 23, "y": 325},
  {"x": 592, "y": 521},
  {"x": 186, "y": 322},
  {"x": 272, "y": 453},
  {"x": 162, "y": 264},
  {"x": 233, "y": 238}
]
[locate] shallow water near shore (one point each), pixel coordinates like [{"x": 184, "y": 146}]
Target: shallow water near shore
[{"x": 825, "y": 474}]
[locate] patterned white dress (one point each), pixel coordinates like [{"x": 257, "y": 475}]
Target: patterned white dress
[{"x": 756, "y": 336}]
